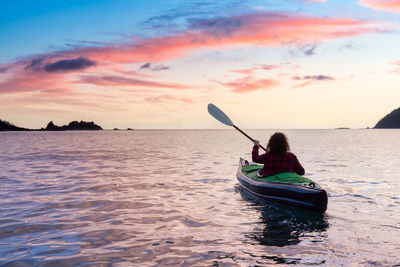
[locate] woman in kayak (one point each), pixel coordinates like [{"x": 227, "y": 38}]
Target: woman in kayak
[{"x": 277, "y": 158}]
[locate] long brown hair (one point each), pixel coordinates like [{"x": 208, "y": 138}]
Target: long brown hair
[{"x": 278, "y": 144}]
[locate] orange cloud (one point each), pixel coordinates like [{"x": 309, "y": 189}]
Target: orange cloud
[
  {"x": 250, "y": 84},
  {"x": 383, "y": 5}
]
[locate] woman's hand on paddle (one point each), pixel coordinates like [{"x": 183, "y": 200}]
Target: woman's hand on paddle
[{"x": 256, "y": 143}]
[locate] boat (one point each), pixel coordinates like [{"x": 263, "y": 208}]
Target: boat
[{"x": 286, "y": 188}]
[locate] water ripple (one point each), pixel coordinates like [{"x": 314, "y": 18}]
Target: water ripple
[{"x": 170, "y": 198}]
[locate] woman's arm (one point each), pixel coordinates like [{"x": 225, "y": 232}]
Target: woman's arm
[
  {"x": 255, "y": 157},
  {"x": 298, "y": 168}
]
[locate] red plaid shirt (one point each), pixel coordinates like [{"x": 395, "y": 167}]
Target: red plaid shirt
[{"x": 274, "y": 164}]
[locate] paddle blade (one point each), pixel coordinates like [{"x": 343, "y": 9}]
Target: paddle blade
[{"x": 219, "y": 115}]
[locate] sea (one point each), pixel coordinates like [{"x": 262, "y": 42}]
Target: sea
[{"x": 171, "y": 198}]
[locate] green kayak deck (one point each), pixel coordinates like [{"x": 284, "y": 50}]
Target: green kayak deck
[{"x": 283, "y": 178}]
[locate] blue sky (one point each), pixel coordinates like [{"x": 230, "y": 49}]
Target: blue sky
[
  {"x": 309, "y": 57},
  {"x": 50, "y": 25}
]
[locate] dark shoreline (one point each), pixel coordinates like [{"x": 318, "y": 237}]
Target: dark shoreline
[{"x": 73, "y": 125}]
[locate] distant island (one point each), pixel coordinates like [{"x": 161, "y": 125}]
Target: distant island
[
  {"x": 73, "y": 125},
  {"x": 390, "y": 121}
]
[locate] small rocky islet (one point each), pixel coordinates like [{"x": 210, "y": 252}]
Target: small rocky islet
[{"x": 73, "y": 125}]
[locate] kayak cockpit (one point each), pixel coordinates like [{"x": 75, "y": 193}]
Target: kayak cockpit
[{"x": 287, "y": 188}]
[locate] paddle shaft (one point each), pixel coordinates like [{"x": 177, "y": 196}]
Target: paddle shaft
[{"x": 237, "y": 128}]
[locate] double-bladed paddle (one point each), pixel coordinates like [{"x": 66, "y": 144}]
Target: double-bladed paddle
[{"x": 222, "y": 117}]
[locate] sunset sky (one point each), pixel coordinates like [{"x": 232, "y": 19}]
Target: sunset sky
[{"x": 157, "y": 64}]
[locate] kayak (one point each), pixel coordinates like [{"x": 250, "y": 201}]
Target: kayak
[{"x": 286, "y": 188}]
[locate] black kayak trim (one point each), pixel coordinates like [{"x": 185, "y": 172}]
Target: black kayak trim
[{"x": 311, "y": 197}]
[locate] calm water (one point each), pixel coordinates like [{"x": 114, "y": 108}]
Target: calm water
[{"x": 171, "y": 198}]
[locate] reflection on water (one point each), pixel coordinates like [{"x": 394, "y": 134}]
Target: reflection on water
[
  {"x": 168, "y": 198},
  {"x": 283, "y": 225}
]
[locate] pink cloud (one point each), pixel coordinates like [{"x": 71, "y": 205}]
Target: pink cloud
[
  {"x": 117, "y": 68},
  {"x": 44, "y": 73},
  {"x": 168, "y": 98},
  {"x": 267, "y": 67},
  {"x": 309, "y": 79},
  {"x": 383, "y": 5},
  {"x": 109, "y": 80},
  {"x": 245, "y": 71},
  {"x": 260, "y": 29},
  {"x": 56, "y": 92},
  {"x": 64, "y": 69},
  {"x": 303, "y": 84},
  {"x": 315, "y": 1},
  {"x": 60, "y": 100},
  {"x": 250, "y": 71},
  {"x": 397, "y": 70},
  {"x": 250, "y": 84},
  {"x": 29, "y": 82}
]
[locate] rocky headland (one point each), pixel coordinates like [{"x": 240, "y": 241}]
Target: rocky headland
[
  {"x": 7, "y": 126},
  {"x": 390, "y": 121}
]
